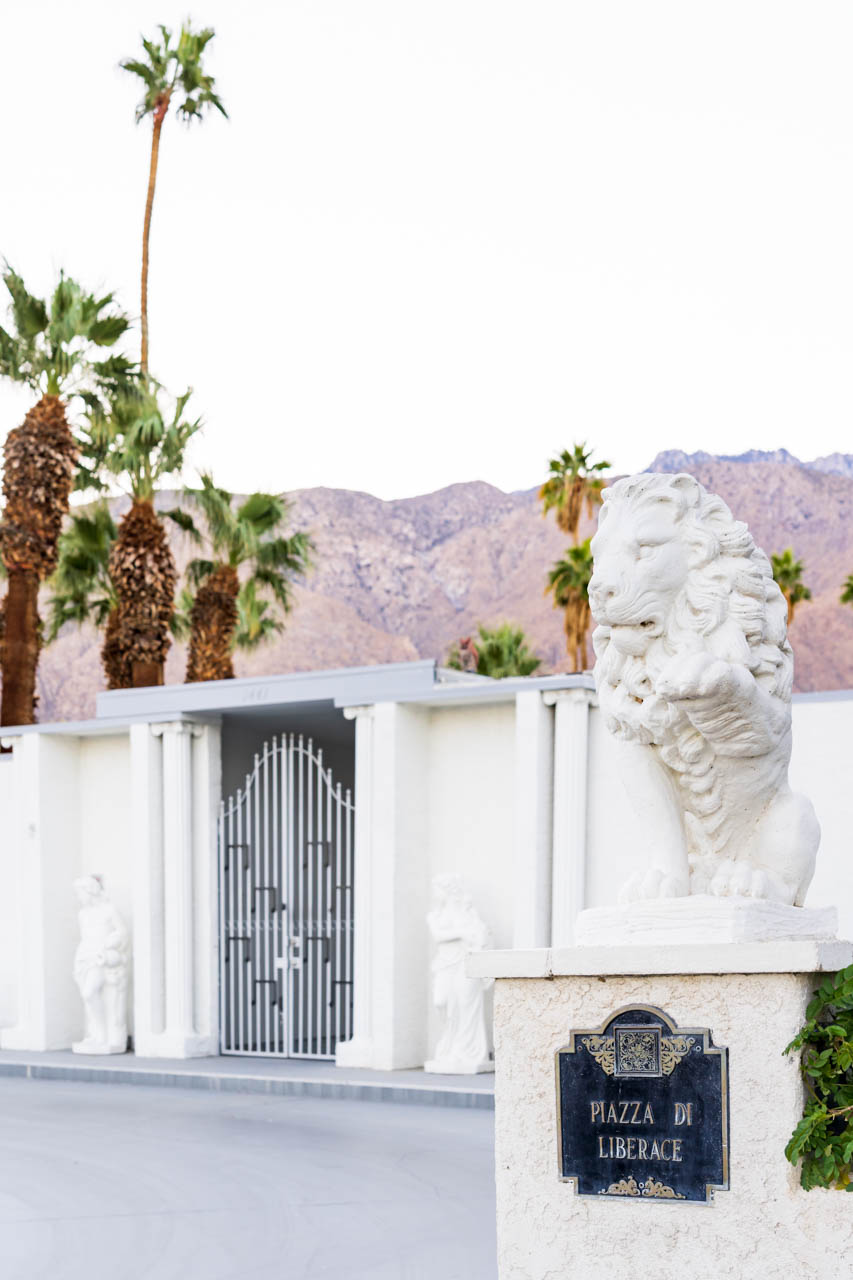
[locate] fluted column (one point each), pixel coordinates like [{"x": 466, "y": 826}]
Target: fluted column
[{"x": 571, "y": 759}]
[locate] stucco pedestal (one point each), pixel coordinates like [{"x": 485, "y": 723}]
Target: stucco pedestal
[{"x": 753, "y": 999}]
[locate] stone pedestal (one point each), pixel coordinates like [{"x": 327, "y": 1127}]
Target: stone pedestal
[{"x": 752, "y": 997}]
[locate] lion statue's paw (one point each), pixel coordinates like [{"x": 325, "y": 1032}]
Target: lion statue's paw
[
  {"x": 652, "y": 883},
  {"x": 740, "y": 880},
  {"x": 695, "y": 675}
]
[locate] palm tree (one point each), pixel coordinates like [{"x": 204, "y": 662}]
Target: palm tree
[
  {"x": 225, "y": 614},
  {"x": 501, "y": 652},
  {"x": 169, "y": 69},
  {"x": 574, "y": 480},
  {"x": 788, "y": 574},
  {"x": 136, "y": 444},
  {"x": 568, "y": 581},
  {"x": 847, "y": 590},
  {"x": 82, "y": 589},
  {"x": 49, "y": 348}
]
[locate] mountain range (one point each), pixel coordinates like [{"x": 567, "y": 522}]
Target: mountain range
[{"x": 400, "y": 580}]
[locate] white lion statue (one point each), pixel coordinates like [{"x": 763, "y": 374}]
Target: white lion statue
[{"x": 695, "y": 670}]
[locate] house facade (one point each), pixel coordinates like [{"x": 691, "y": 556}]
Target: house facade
[{"x": 271, "y": 844}]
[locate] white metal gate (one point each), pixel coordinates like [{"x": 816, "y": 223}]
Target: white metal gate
[{"x": 285, "y": 907}]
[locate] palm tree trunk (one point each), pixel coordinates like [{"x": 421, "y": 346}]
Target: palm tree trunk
[
  {"x": 159, "y": 117},
  {"x": 19, "y": 647},
  {"x": 143, "y": 572},
  {"x": 39, "y": 459},
  {"x": 213, "y": 621}
]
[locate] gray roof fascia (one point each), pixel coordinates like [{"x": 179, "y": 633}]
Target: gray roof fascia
[
  {"x": 496, "y": 691},
  {"x": 346, "y": 686},
  {"x": 103, "y": 728},
  {"x": 825, "y": 695}
]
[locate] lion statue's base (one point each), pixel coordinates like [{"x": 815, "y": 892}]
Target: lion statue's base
[{"x": 701, "y": 920}]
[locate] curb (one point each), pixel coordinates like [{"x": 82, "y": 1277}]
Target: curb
[{"x": 273, "y": 1086}]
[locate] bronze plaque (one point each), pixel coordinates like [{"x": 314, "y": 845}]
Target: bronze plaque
[{"x": 643, "y": 1109}]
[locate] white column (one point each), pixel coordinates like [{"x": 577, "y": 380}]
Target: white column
[
  {"x": 571, "y": 759},
  {"x": 534, "y": 807},
  {"x": 207, "y": 793},
  {"x": 174, "y": 874},
  {"x": 146, "y": 844},
  {"x": 359, "y": 1050},
  {"x": 391, "y": 889}
]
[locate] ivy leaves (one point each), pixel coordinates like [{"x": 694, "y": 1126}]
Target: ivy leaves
[{"x": 823, "y": 1139}]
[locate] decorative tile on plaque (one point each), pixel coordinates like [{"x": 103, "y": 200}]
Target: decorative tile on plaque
[{"x": 642, "y": 1109}]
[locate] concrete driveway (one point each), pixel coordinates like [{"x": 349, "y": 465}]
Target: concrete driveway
[{"x": 126, "y": 1182}]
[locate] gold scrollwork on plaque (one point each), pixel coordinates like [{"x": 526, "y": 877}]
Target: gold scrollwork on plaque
[
  {"x": 603, "y": 1049},
  {"x": 672, "y": 1050},
  {"x": 659, "y": 1190},
  {"x": 650, "y": 1189},
  {"x": 627, "y": 1187}
]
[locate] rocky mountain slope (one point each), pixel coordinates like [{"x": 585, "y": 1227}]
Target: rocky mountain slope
[{"x": 400, "y": 580}]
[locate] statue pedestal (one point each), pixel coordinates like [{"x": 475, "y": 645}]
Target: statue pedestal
[
  {"x": 702, "y": 918},
  {"x": 751, "y": 998}
]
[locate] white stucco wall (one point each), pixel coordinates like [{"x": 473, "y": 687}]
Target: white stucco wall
[
  {"x": 9, "y": 829},
  {"x": 470, "y": 814},
  {"x": 471, "y": 782},
  {"x": 104, "y": 805},
  {"x": 764, "y": 1228},
  {"x": 822, "y": 768}
]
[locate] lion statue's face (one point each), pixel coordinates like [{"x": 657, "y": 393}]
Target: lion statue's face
[
  {"x": 641, "y": 568},
  {"x": 676, "y": 574}
]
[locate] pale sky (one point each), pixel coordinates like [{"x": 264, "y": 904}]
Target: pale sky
[{"x": 438, "y": 241}]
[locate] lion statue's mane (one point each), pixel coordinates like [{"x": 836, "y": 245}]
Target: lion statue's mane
[{"x": 729, "y": 578}]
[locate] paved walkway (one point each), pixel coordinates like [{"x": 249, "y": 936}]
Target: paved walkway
[{"x": 136, "y": 1183}]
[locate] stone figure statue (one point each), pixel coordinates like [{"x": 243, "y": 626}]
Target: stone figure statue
[
  {"x": 458, "y": 929},
  {"x": 694, "y": 672},
  {"x": 100, "y": 969}
]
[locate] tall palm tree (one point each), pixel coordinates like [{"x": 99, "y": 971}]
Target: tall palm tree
[
  {"x": 574, "y": 479},
  {"x": 501, "y": 652},
  {"x": 169, "y": 69},
  {"x": 49, "y": 347},
  {"x": 568, "y": 582},
  {"x": 788, "y": 574},
  {"x": 225, "y": 613},
  {"x": 137, "y": 443}
]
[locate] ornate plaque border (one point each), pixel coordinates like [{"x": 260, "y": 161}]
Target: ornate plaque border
[{"x": 702, "y": 1034}]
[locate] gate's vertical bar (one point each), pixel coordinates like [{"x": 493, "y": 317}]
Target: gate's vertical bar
[
  {"x": 338, "y": 991},
  {"x": 278, "y": 891},
  {"x": 291, "y": 896},
  {"x": 259, "y": 904},
  {"x": 300, "y": 853},
  {"x": 239, "y": 952},
  {"x": 319, "y": 948},
  {"x": 348, "y": 936},
  {"x": 223, "y": 942},
  {"x": 327, "y": 945},
  {"x": 230, "y": 876},
  {"x": 308, "y": 929},
  {"x": 251, "y": 843}
]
